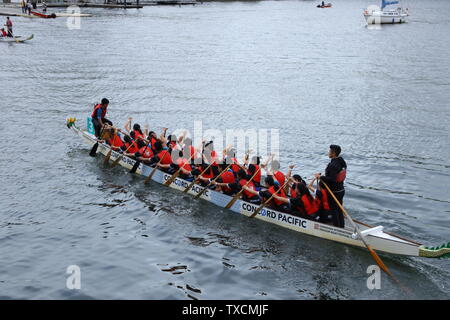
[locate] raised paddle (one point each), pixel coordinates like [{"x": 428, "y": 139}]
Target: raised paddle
[
  {"x": 204, "y": 189},
  {"x": 372, "y": 252},
  {"x": 232, "y": 201},
  {"x": 175, "y": 175},
  {"x": 154, "y": 169},
  {"x": 268, "y": 200}
]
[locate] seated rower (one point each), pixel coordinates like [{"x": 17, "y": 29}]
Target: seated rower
[
  {"x": 3, "y": 33},
  {"x": 226, "y": 178},
  {"x": 304, "y": 204},
  {"x": 186, "y": 169},
  {"x": 130, "y": 146},
  {"x": 253, "y": 167},
  {"x": 326, "y": 214},
  {"x": 277, "y": 174},
  {"x": 115, "y": 141},
  {"x": 162, "y": 157},
  {"x": 296, "y": 179},
  {"x": 243, "y": 182},
  {"x": 136, "y": 133},
  {"x": 280, "y": 202},
  {"x": 145, "y": 153}
]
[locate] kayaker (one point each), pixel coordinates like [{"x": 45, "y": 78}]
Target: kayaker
[
  {"x": 98, "y": 116},
  {"x": 3, "y": 32},
  {"x": 334, "y": 177},
  {"x": 9, "y": 27}
]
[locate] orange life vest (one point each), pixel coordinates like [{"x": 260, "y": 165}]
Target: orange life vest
[
  {"x": 251, "y": 185},
  {"x": 94, "y": 113},
  {"x": 311, "y": 207},
  {"x": 227, "y": 177},
  {"x": 257, "y": 178},
  {"x": 115, "y": 142},
  {"x": 165, "y": 157},
  {"x": 324, "y": 200},
  {"x": 279, "y": 176},
  {"x": 137, "y": 134},
  {"x": 280, "y": 193},
  {"x": 183, "y": 163},
  {"x": 133, "y": 149},
  {"x": 146, "y": 152},
  {"x": 340, "y": 177}
]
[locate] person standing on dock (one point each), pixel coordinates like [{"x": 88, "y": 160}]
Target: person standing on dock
[
  {"x": 98, "y": 116},
  {"x": 23, "y": 5},
  {"x": 334, "y": 177}
]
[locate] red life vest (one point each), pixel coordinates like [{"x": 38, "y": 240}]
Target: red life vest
[
  {"x": 137, "y": 134},
  {"x": 94, "y": 113},
  {"x": 4, "y": 34},
  {"x": 146, "y": 152},
  {"x": 251, "y": 185},
  {"x": 340, "y": 177},
  {"x": 324, "y": 200},
  {"x": 133, "y": 149},
  {"x": 257, "y": 178},
  {"x": 115, "y": 142},
  {"x": 293, "y": 193},
  {"x": 235, "y": 166},
  {"x": 310, "y": 206},
  {"x": 279, "y": 176},
  {"x": 192, "y": 151},
  {"x": 227, "y": 177},
  {"x": 183, "y": 163},
  {"x": 280, "y": 193},
  {"x": 165, "y": 157}
]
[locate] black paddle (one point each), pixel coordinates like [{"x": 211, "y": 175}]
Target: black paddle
[
  {"x": 138, "y": 162},
  {"x": 93, "y": 152}
]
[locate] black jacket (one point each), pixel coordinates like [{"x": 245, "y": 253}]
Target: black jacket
[{"x": 334, "y": 167}]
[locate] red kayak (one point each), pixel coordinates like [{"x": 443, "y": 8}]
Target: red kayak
[
  {"x": 43, "y": 15},
  {"x": 328, "y": 5}
]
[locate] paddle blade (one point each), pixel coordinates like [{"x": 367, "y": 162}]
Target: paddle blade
[
  {"x": 93, "y": 152},
  {"x": 108, "y": 156},
  {"x": 135, "y": 167},
  {"x": 116, "y": 161},
  {"x": 150, "y": 175},
  {"x": 378, "y": 261},
  {"x": 189, "y": 186},
  {"x": 257, "y": 211},
  {"x": 230, "y": 204}
]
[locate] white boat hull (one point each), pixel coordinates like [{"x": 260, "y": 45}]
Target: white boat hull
[{"x": 379, "y": 240}]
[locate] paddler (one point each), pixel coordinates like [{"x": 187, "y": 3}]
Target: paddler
[
  {"x": 303, "y": 204},
  {"x": 98, "y": 116},
  {"x": 334, "y": 177},
  {"x": 3, "y": 32},
  {"x": 225, "y": 180}
]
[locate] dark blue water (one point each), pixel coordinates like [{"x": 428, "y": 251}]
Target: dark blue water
[{"x": 320, "y": 76}]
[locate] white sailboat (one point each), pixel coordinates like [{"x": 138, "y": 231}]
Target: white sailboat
[{"x": 377, "y": 15}]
